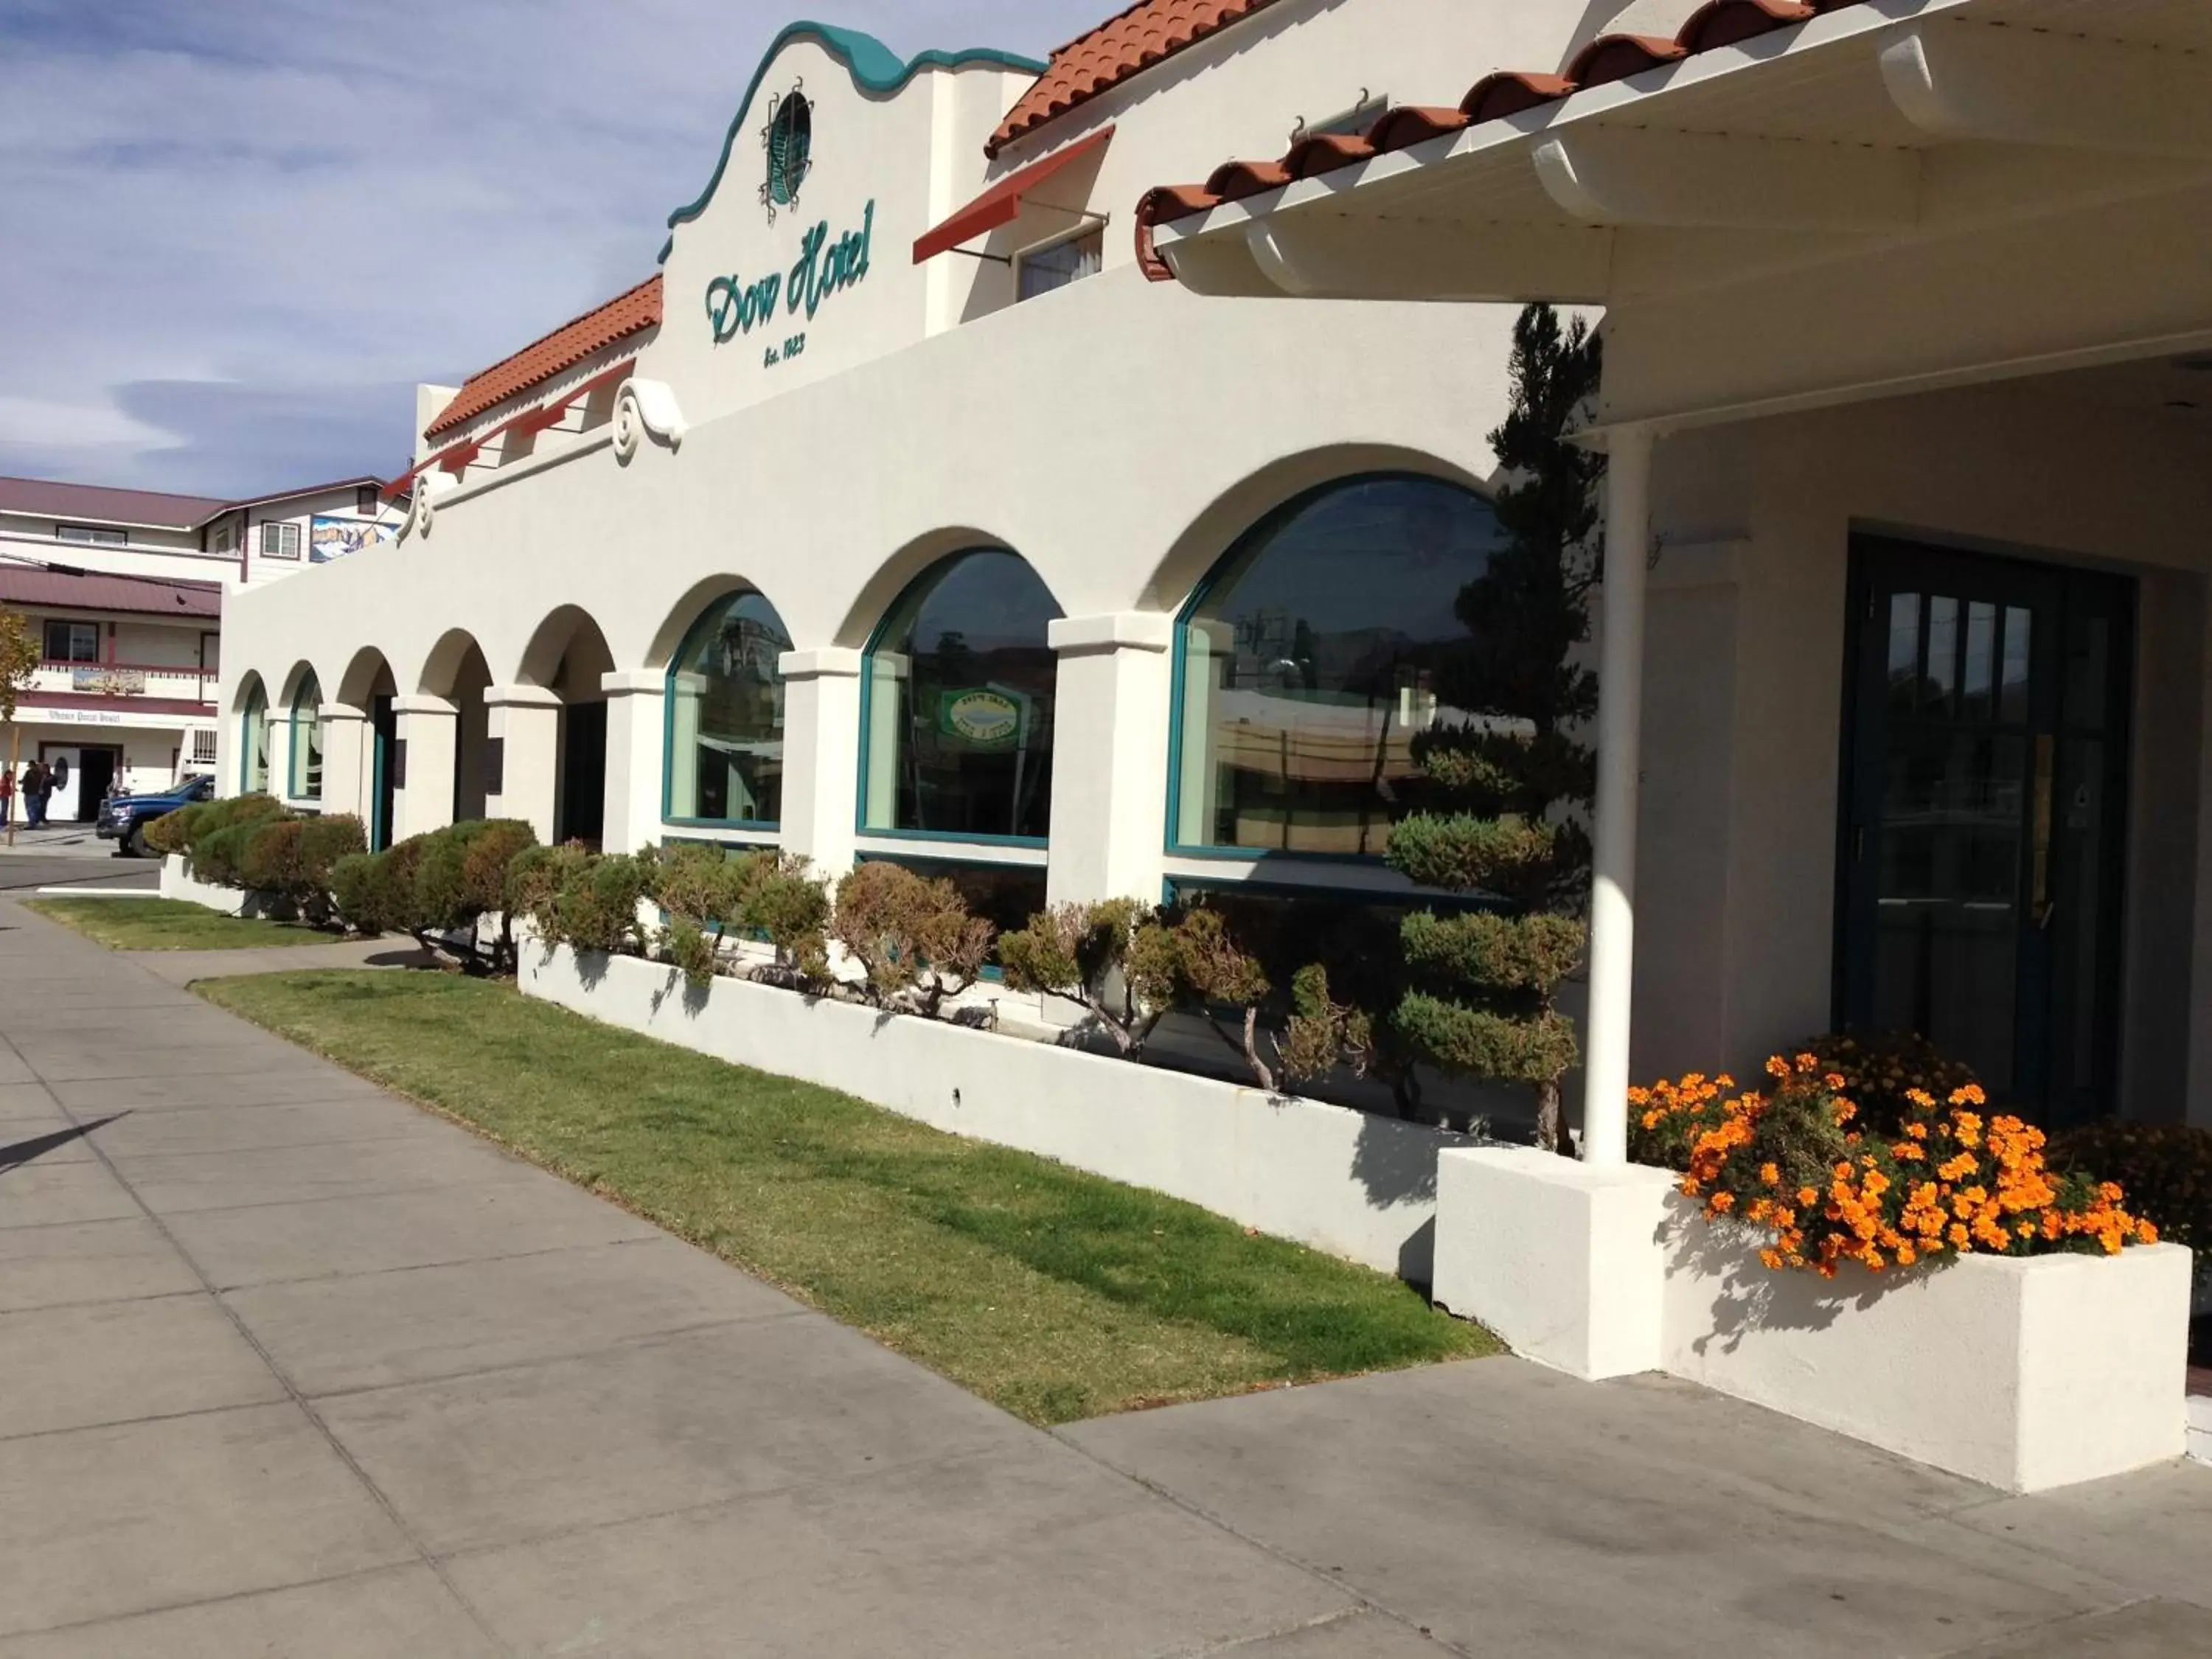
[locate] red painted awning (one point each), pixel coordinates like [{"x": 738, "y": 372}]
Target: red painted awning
[{"x": 1000, "y": 203}]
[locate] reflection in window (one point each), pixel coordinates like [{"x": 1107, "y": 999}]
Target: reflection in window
[
  {"x": 253, "y": 744},
  {"x": 958, "y": 705},
  {"x": 1310, "y": 663},
  {"x": 307, "y": 773},
  {"x": 726, "y": 716}
]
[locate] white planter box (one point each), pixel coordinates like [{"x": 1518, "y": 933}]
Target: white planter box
[
  {"x": 2024, "y": 1373},
  {"x": 178, "y": 882},
  {"x": 1344, "y": 1182}
]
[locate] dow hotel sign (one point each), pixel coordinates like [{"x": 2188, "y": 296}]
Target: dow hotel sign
[{"x": 737, "y": 306}]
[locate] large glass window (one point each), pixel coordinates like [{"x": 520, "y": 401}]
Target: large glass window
[
  {"x": 253, "y": 744},
  {"x": 726, "y": 716},
  {"x": 958, "y": 704},
  {"x": 1309, "y": 661},
  {"x": 306, "y": 745}
]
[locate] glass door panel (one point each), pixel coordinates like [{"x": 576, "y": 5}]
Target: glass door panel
[{"x": 1980, "y": 881}]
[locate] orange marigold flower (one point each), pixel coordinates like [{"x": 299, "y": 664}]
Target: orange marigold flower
[{"x": 1770, "y": 1174}]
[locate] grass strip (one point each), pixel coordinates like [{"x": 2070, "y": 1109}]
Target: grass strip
[
  {"x": 157, "y": 924},
  {"x": 1056, "y": 1294}
]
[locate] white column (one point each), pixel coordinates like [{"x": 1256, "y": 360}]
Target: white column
[
  {"x": 636, "y": 733},
  {"x": 346, "y": 761},
  {"x": 1109, "y": 762},
  {"x": 821, "y": 755},
  {"x": 525, "y": 724},
  {"x": 430, "y": 728},
  {"x": 1619, "y": 758}
]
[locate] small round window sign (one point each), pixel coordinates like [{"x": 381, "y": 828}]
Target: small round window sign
[{"x": 788, "y": 138}]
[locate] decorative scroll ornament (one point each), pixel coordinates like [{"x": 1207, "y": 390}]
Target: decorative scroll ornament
[
  {"x": 645, "y": 409},
  {"x": 419, "y": 510}
]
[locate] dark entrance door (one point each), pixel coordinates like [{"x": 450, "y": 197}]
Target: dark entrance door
[
  {"x": 583, "y": 801},
  {"x": 1986, "y": 772},
  {"x": 384, "y": 728}
]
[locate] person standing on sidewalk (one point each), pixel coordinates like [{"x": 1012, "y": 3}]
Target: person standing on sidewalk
[
  {"x": 7, "y": 796},
  {"x": 38, "y": 784}
]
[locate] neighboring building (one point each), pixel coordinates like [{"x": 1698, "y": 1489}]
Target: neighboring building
[
  {"x": 900, "y": 516},
  {"x": 125, "y": 587}
]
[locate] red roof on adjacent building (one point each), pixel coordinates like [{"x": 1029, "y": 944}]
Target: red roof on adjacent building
[
  {"x": 1123, "y": 46},
  {"x": 564, "y": 348},
  {"x": 63, "y": 590},
  {"x": 1507, "y": 92},
  {"x": 74, "y": 503}
]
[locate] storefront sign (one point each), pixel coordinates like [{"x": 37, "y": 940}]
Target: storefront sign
[
  {"x": 77, "y": 717},
  {"x": 737, "y": 307},
  {"x": 983, "y": 718}
]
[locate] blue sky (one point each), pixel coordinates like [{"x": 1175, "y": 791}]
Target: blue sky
[{"x": 235, "y": 233}]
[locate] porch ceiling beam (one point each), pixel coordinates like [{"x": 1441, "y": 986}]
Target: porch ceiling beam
[
  {"x": 1959, "y": 81},
  {"x": 1336, "y": 256},
  {"x": 1624, "y": 176}
]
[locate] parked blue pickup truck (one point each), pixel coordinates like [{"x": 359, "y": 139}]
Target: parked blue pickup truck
[{"x": 124, "y": 818}]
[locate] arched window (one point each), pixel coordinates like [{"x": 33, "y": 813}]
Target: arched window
[
  {"x": 958, "y": 704},
  {"x": 253, "y": 743},
  {"x": 726, "y": 717},
  {"x": 1308, "y": 662},
  {"x": 307, "y": 745}
]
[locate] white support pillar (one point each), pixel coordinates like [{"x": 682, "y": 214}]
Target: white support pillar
[
  {"x": 1619, "y": 762},
  {"x": 636, "y": 735},
  {"x": 822, "y": 755},
  {"x": 346, "y": 761},
  {"x": 429, "y": 728},
  {"x": 1109, "y": 762},
  {"x": 526, "y": 731}
]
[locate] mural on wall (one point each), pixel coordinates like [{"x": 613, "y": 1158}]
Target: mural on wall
[{"x": 339, "y": 538}]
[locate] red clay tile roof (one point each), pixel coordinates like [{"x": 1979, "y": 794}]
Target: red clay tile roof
[
  {"x": 72, "y": 504},
  {"x": 63, "y": 590},
  {"x": 564, "y": 348},
  {"x": 1508, "y": 92},
  {"x": 1121, "y": 47}
]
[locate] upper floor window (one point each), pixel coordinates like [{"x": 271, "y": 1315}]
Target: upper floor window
[
  {"x": 1312, "y": 658},
  {"x": 72, "y": 641},
  {"x": 957, "y": 704},
  {"x": 280, "y": 540},
  {"x": 224, "y": 538},
  {"x": 726, "y": 716},
  {"x": 366, "y": 500},
  {"x": 92, "y": 535},
  {"x": 1055, "y": 265}
]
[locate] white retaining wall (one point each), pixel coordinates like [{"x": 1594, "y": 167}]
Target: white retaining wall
[
  {"x": 1347, "y": 1183},
  {"x": 178, "y": 882}
]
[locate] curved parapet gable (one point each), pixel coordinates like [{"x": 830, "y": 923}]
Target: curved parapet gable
[{"x": 874, "y": 67}]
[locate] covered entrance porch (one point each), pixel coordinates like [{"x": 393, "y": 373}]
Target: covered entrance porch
[{"x": 1902, "y": 631}]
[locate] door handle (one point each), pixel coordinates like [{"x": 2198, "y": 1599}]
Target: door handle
[{"x": 2043, "y": 906}]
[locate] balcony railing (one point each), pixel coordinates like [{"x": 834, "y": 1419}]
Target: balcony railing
[{"x": 126, "y": 681}]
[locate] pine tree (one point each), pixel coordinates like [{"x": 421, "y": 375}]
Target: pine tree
[{"x": 1504, "y": 785}]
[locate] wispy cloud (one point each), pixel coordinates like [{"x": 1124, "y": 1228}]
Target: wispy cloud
[{"x": 237, "y": 234}]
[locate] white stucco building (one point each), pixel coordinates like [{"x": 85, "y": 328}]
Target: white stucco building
[
  {"x": 907, "y": 513},
  {"x": 124, "y": 589}
]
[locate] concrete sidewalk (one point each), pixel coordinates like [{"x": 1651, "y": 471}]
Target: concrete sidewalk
[{"x": 288, "y": 1367}]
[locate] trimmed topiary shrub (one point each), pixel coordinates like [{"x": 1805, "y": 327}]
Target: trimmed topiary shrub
[
  {"x": 173, "y": 832},
  {"x": 218, "y": 855},
  {"x": 269, "y": 861},
  {"x": 323, "y": 842},
  {"x": 354, "y": 881},
  {"x": 535, "y": 876},
  {"x": 912, "y": 936},
  {"x": 596, "y": 908}
]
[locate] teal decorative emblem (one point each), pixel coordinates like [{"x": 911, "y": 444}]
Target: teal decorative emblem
[{"x": 788, "y": 139}]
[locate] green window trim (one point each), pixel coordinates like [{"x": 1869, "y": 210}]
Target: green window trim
[
  {"x": 674, "y": 701},
  {"x": 879, "y": 762},
  {"x": 254, "y": 729},
  {"x": 309, "y": 697},
  {"x": 1245, "y": 554}
]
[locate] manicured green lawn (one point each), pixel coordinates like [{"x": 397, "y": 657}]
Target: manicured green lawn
[
  {"x": 1056, "y": 1294},
  {"x": 153, "y": 924}
]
